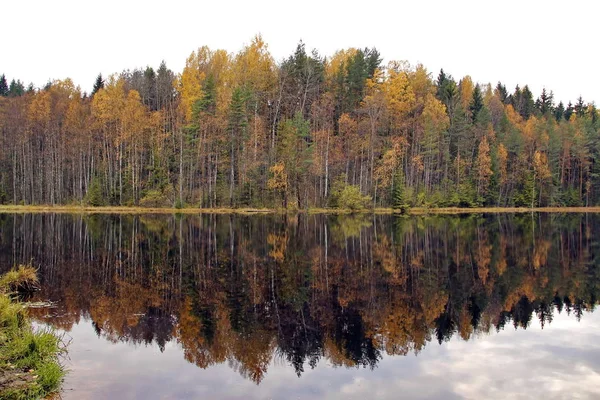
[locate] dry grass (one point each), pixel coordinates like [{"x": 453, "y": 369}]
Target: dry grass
[
  {"x": 511, "y": 210},
  {"x": 129, "y": 210},
  {"x": 457, "y": 210},
  {"x": 247, "y": 211},
  {"x": 22, "y": 279}
]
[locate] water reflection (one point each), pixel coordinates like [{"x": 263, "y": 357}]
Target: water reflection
[{"x": 349, "y": 291}]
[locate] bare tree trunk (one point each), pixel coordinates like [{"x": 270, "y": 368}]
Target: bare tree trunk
[
  {"x": 121, "y": 174},
  {"x": 180, "y": 168},
  {"x": 327, "y": 165},
  {"x": 232, "y": 172}
]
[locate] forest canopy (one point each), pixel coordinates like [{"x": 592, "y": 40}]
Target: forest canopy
[{"x": 242, "y": 130}]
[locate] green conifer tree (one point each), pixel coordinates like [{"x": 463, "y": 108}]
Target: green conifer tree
[
  {"x": 98, "y": 84},
  {"x": 476, "y": 103},
  {"x": 3, "y": 86}
]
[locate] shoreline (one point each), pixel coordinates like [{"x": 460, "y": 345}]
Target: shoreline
[
  {"x": 30, "y": 366},
  {"x": 69, "y": 209}
]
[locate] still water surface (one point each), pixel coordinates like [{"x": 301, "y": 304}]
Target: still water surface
[{"x": 256, "y": 307}]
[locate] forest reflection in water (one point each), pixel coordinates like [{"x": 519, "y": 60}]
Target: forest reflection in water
[{"x": 303, "y": 289}]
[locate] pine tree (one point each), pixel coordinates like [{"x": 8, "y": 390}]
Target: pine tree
[{"x": 373, "y": 59}]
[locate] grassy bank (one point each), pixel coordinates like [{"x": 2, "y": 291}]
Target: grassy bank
[
  {"x": 70, "y": 209},
  {"x": 29, "y": 365}
]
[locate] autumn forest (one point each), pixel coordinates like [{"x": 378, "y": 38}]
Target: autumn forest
[{"x": 345, "y": 131}]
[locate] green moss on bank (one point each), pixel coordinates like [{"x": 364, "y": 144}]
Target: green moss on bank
[{"x": 29, "y": 358}]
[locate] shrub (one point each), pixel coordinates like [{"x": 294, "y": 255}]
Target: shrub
[
  {"x": 399, "y": 195},
  {"x": 94, "y": 196},
  {"x": 351, "y": 198},
  {"x": 155, "y": 198}
]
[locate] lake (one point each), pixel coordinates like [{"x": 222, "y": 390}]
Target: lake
[{"x": 318, "y": 306}]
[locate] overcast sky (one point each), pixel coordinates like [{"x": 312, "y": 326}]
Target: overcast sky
[{"x": 552, "y": 44}]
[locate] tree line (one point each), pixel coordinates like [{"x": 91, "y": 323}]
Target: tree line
[{"x": 241, "y": 130}]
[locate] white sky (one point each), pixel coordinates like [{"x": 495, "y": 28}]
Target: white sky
[{"x": 552, "y": 44}]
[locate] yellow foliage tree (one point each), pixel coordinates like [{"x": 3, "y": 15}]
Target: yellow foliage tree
[
  {"x": 278, "y": 181},
  {"x": 190, "y": 82},
  {"x": 466, "y": 91}
]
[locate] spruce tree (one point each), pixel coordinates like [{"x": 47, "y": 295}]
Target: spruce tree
[
  {"x": 208, "y": 102},
  {"x": 476, "y": 103},
  {"x": 527, "y": 104},
  {"x": 446, "y": 89},
  {"x": 559, "y": 111},
  {"x": 149, "y": 89},
  {"x": 545, "y": 102},
  {"x": 569, "y": 111},
  {"x": 3, "y": 86},
  {"x": 356, "y": 76},
  {"x": 580, "y": 107},
  {"x": 502, "y": 93},
  {"x": 16, "y": 88},
  {"x": 99, "y": 84},
  {"x": 441, "y": 82},
  {"x": 398, "y": 196},
  {"x": 593, "y": 114},
  {"x": 516, "y": 98},
  {"x": 164, "y": 86}
]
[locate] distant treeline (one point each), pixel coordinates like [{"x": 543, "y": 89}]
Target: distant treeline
[{"x": 311, "y": 131}]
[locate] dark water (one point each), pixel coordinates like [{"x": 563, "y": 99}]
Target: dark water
[{"x": 244, "y": 307}]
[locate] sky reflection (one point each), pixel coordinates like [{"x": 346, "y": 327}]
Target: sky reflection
[{"x": 560, "y": 361}]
